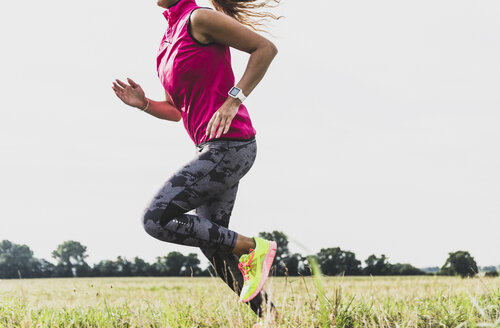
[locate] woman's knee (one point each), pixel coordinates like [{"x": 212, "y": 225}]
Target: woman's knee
[
  {"x": 152, "y": 226},
  {"x": 156, "y": 218},
  {"x": 150, "y": 221}
]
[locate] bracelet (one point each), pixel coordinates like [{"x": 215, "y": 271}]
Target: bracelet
[{"x": 147, "y": 106}]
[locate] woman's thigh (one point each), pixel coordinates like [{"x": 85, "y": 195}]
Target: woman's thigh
[
  {"x": 217, "y": 168},
  {"x": 219, "y": 208}
]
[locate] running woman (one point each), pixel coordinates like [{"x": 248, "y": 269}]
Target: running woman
[{"x": 194, "y": 67}]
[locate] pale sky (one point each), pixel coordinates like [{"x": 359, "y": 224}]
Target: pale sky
[{"x": 377, "y": 128}]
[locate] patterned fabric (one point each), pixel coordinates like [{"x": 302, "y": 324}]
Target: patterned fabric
[{"x": 208, "y": 184}]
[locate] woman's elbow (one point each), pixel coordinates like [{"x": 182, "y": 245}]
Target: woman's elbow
[{"x": 177, "y": 117}]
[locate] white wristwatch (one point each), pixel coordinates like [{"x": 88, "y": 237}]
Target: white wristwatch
[{"x": 237, "y": 93}]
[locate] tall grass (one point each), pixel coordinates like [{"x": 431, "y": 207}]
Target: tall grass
[{"x": 206, "y": 302}]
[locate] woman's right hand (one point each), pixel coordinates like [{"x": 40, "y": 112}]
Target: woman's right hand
[{"x": 131, "y": 94}]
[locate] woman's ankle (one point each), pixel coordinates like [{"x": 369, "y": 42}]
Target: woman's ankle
[{"x": 243, "y": 245}]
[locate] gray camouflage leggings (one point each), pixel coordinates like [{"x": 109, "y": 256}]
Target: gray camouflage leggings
[{"x": 208, "y": 184}]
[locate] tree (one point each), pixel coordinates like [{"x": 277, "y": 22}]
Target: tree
[
  {"x": 105, "y": 268},
  {"x": 17, "y": 261},
  {"x": 304, "y": 267},
  {"x": 171, "y": 264},
  {"x": 431, "y": 270},
  {"x": 489, "y": 268},
  {"x": 491, "y": 274},
  {"x": 406, "y": 269},
  {"x": 140, "y": 267},
  {"x": 44, "y": 268},
  {"x": 191, "y": 265},
  {"x": 176, "y": 264},
  {"x": 70, "y": 257},
  {"x": 459, "y": 263},
  {"x": 294, "y": 264},
  {"x": 121, "y": 268},
  {"x": 334, "y": 261},
  {"x": 124, "y": 267},
  {"x": 377, "y": 266}
]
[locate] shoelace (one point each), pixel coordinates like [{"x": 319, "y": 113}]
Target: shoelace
[{"x": 246, "y": 265}]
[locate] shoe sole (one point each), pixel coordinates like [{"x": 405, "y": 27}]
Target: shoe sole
[{"x": 266, "y": 266}]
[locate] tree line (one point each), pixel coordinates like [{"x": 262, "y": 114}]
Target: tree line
[{"x": 17, "y": 261}]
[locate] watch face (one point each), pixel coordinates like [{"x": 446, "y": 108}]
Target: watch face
[{"x": 234, "y": 92}]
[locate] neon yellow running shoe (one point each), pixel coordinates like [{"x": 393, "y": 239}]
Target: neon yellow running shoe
[{"x": 255, "y": 268}]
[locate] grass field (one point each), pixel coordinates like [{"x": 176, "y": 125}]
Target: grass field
[{"x": 207, "y": 302}]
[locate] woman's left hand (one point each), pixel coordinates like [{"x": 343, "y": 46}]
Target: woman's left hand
[{"x": 223, "y": 117}]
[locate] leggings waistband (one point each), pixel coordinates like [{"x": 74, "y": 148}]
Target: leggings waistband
[{"x": 228, "y": 141}]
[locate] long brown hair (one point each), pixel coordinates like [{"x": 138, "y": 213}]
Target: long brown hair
[{"x": 244, "y": 11}]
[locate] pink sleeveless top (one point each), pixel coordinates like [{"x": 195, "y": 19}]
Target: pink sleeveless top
[{"x": 197, "y": 77}]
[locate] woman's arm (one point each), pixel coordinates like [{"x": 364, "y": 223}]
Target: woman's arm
[
  {"x": 212, "y": 26},
  {"x": 133, "y": 95},
  {"x": 163, "y": 109}
]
